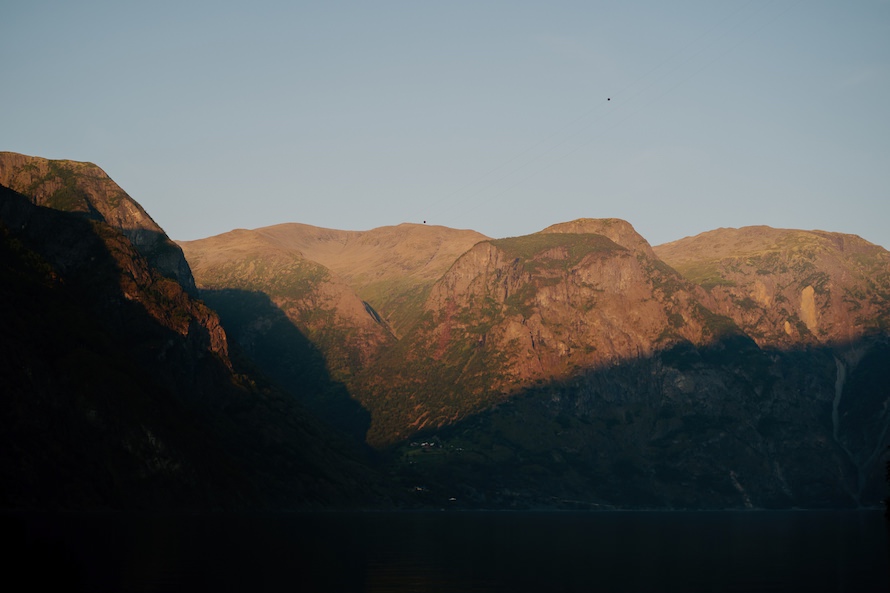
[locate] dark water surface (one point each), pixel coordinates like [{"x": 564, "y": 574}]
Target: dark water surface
[{"x": 451, "y": 551}]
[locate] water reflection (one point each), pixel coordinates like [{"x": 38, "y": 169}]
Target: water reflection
[{"x": 476, "y": 552}]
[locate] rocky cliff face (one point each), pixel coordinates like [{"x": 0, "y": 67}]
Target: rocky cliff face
[
  {"x": 512, "y": 312},
  {"x": 99, "y": 260},
  {"x": 788, "y": 288},
  {"x": 567, "y": 301},
  {"x": 119, "y": 392},
  {"x": 85, "y": 188}
]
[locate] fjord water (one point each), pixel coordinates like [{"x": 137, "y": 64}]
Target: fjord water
[{"x": 453, "y": 551}]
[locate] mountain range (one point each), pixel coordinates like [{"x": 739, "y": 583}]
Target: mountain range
[{"x": 576, "y": 367}]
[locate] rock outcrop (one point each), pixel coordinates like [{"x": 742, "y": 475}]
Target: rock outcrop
[{"x": 73, "y": 186}]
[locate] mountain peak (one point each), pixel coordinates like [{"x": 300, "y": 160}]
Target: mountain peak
[{"x": 618, "y": 230}]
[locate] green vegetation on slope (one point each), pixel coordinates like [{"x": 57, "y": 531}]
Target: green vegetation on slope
[{"x": 570, "y": 248}]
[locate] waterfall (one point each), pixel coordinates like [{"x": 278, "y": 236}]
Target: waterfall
[
  {"x": 839, "y": 382},
  {"x": 838, "y": 393}
]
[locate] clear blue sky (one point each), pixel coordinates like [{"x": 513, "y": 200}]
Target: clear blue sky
[{"x": 485, "y": 115}]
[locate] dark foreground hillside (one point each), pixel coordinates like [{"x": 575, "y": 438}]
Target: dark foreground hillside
[
  {"x": 118, "y": 391},
  {"x": 730, "y": 426}
]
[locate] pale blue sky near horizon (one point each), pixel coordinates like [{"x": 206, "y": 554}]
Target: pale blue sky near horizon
[{"x": 503, "y": 117}]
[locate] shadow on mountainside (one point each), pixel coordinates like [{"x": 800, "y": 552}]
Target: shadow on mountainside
[
  {"x": 283, "y": 354},
  {"x": 727, "y": 426},
  {"x": 104, "y": 407}
]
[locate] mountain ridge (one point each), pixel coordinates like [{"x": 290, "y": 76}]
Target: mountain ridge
[
  {"x": 548, "y": 333},
  {"x": 387, "y": 266},
  {"x": 579, "y": 365}
]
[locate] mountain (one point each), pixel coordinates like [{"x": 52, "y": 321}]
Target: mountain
[
  {"x": 302, "y": 325},
  {"x": 579, "y": 367},
  {"x": 120, "y": 390},
  {"x": 681, "y": 397},
  {"x": 510, "y": 313},
  {"x": 315, "y": 298},
  {"x": 617, "y": 230},
  {"x": 73, "y": 186},
  {"x": 389, "y": 267},
  {"x": 307, "y": 302},
  {"x": 789, "y": 287}
]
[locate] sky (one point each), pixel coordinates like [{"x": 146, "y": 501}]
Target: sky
[{"x": 503, "y": 117}]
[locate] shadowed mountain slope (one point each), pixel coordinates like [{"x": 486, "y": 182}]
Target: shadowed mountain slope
[
  {"x": 119, "y": 391},
  {"x": 314, "y": 276},
  {"x": 724, "y": 426},
  {"x": 567, "y": 369},
  {"x": 316, "y": 300}
]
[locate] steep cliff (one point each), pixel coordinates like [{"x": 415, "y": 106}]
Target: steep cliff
[
  {"x": 119, "y": 390},
  {"x": 85, "y": 188}
]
